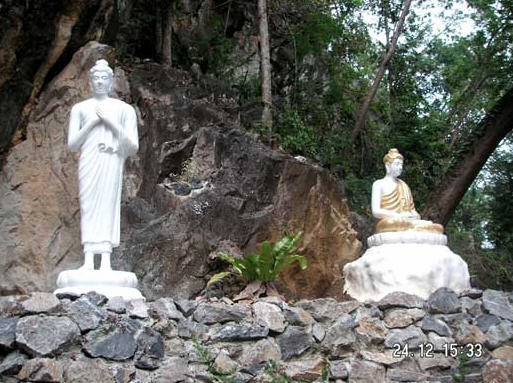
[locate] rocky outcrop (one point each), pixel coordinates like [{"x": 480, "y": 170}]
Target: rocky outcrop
[
  {"x": 228, "y": 341},
  {"x": 198, "y": 182}
]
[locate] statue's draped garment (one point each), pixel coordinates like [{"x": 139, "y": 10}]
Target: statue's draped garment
[
  {"x": 400, "y": 201},
  {"x": 100, "y": 169}
]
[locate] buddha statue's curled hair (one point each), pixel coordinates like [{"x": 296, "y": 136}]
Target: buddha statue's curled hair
[
  {"x": 392, "y": 155},
  {"x": 101, "y": 66}
]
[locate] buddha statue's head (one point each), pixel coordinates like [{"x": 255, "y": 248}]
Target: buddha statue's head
[
  {"x": 393, "y": 161},
  {"x": 101, "y": 78}
]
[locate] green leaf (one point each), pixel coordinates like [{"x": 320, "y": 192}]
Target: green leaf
[
  {"x": 237, "y": 265},
  {"x": 283, "y": 248},
  {"x": 218, "y": 277},
  {"x": 253, "y": 268},
  {"x": 266, "y": 261}
]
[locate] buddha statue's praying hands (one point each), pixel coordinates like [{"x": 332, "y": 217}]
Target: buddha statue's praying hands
[{"x": 392, "y": 201}]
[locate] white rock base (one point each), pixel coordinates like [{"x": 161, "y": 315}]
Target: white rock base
[
  {"x": 407, "y": 266},
  {"x": 109, "y": 283}
]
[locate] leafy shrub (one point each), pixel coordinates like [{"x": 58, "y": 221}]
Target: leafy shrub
[{"x": 266, "y": 265}]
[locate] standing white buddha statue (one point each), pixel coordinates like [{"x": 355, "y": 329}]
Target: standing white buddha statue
[
  {"x": 407, "y": 253},
  {"x": 104, "y": 130}
]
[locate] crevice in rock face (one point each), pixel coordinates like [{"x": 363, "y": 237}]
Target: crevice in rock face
[{"x": 175, "y": 156}]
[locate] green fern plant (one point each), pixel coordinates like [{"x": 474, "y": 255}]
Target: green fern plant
[{"x": 263, "y": 267}]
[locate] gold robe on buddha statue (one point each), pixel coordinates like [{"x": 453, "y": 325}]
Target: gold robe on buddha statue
[{"x": 401, "y": 201}]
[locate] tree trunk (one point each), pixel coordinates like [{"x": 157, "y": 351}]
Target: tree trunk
[
  {"x": 265, "y": 67},
  {"x": 360, "y": 122},
  {"x": 455, "y": 131},
  {"x": 454, "y": 183},
  {"x": 158, "y": 32},
  {"x": 167, "y": 33}
]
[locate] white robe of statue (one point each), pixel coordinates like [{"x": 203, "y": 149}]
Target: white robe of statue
[
  {"x": 100, "y": 169},
  {"x": 104, "y": 131}
]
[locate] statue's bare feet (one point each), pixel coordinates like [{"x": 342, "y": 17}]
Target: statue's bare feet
[
  {"x": 88, "y": 262},
  {"x": 87, "y": 266},
  {"x": 105, "y": 262}
]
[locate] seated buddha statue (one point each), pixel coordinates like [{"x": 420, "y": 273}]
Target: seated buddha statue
[{"x": 392, "y": 201}]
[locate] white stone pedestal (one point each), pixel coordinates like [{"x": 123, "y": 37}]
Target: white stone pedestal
[
  {"x": 109, "y": 283},
  {"x": 413, "y": 262}
]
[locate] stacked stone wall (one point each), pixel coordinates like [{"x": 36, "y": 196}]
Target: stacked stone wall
[{"x": 402, "y": 338}]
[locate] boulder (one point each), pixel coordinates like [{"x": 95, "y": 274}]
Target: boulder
[
  {"x": 186, "y": 306},
  {"x": 87, "y": 315},
  {"x": 41, "y": 370},
  {"x": 217, "y": 312},
  {"x": 371, "y": 330},
  {"x": 12, "y": 363},
  {"x": 165, "y": 308},
  {"x": 438, "y": 341},
  {"x": 412, "y": 336},
  {"x": 386, "y": 357},
  {"x": 261, "y": 351},
  {"x": 224, "y": 363},
  {"x": 318, "y": 332},
  {"x": 294, "y": 341},
  {"x": 116, "y": 305},
  {"x": 40, "y": 303},
  {"x": 296, "y": 316},
  {"x": 8, "y": 331},
  {"x": 173, "y": 370},
  {"x": 362, "y": 371},
  {"x": 114, "y": 341},
  {"x": 240, "y": 190},
  {"x": 150, "y": 349},
  {"x": 497, "y": 303},
  {"x": 400, "y": 318},
  {"x": 338, "y": 369},
  {"x": 499, "y": 334},
  {"x": 432, "y": 324},
  {"x": 498, "y": 371},
  {"x": 485, "y": 321},
  {"x": 86, "y": 371},
  {"x": 466, "y": 333},
  {"x": 400, "y": 299},
  {"x": 269, "y": 315},
  {"x": 503, "y": 352},
  {"x": 407, "y": 371},
  {"x": 306, "y": 370},
  {"x": 325, "y": 309},
  {"x": 44, "y": 336},
  {"x": 340, "y": 335},
  {"x": 95, "y": 298},
  {"x": 189, "y": 329},
  {"x": 437, "y": 361},
  {"x": 137, "y": 309},
  {"x": 443, "y": 301},
  {"x": 238, "y": 332}
]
